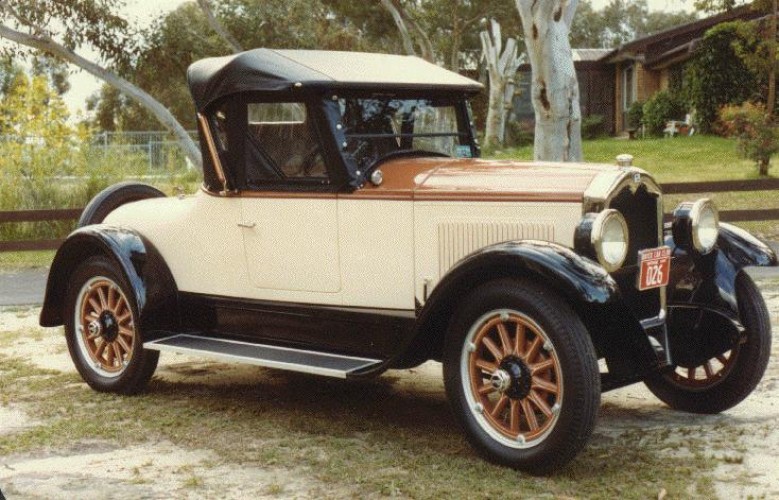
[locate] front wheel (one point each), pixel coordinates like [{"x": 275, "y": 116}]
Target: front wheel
[
  {"x": 521, "y": 375},
  {"x": 103, "y": 336},
  {"x": 725, "y": 380}
]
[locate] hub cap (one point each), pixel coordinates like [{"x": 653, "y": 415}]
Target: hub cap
[
  {"x": 512, "y": 378},
  {"x": 105, "y": 327}
]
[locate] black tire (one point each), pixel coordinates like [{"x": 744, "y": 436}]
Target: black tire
[
  {"x": 554, "y": 336},
  {"x": 112, "y": 197},
  {"x": 733, "y": 378},
  {"x": 122, "y": 365}
]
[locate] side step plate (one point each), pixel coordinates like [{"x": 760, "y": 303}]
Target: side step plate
[{"x": 319, "y": 363}]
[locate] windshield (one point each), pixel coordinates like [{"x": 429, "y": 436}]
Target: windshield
[{"x": 377, "y": 128}]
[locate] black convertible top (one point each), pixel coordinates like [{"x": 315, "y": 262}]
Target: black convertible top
[{"x": 277, "y": 70}]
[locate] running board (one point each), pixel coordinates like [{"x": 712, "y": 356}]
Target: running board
[{"x": 296, "y": 360}]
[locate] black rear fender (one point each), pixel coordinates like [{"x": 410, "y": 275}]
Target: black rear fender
[{"x": 141, "y": 264}]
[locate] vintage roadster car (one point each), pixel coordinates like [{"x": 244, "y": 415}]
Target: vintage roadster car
[{"x": 346, "y": 226}]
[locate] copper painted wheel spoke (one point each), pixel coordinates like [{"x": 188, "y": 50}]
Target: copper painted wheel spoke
[
  {"x": 124, "y": 317},
  {"x": 486, "y": 389},
  {"x": 93, "y": 336},
  {"x": 109, "y": 354},
  {"x": 492, "y": 348},
  {"x": 123, "y": 344},
  {"x": 95, "y": 305},
  {"x": 544, "y": 385},
  {"x": 101, "y": 295},
  {"x": 125, "y": 331},
  {"x": 505, "y": 341},
  {"x": 100, "y": 349},
  {"x": 118, "y": 358},
  {"x": 541, "y": 367},
  {"x": 530, "y": 415},
  {"x": 519, "y": 340},
  {"x": 514, "y": 417},
  {"x": 111, "y": 298},
  {"x": 708, "y": 370},
  {"x": 534, "y": 348},
  {"x": 691, "y": 373},
  {"x": 482, "y": 364},
  {"x": 539, "y": 402},
  {"x": 722, "y": 359},
  {"x": 500, "y": 406}
]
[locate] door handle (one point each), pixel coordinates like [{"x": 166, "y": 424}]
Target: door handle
[{"x": 247, "y": 225}]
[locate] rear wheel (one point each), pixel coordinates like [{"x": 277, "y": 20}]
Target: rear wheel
[
  {"x": 522, "y": 377},
  {"x": 728, "y": 378},
  {"x": 103, "y": 337}
]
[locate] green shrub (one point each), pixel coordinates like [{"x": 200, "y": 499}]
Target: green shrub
[
  {"x": 635, "y": 115},
  {"x": 593, "y": 127},
  {"x": 757, "y": 134},
  {"x": 519, "y": 133},
  {"x": 660, "y": 108},
  {"x": 716, "y": 75}
]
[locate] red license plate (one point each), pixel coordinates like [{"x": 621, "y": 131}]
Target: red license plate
[{"x": 655, "y": 265}]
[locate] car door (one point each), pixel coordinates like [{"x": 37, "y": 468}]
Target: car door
[{"x": 290, "y": 227}]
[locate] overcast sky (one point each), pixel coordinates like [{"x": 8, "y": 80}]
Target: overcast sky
[{"x": 145, "y": 11}]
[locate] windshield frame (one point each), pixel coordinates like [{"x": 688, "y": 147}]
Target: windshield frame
[{"x": 458, "y": 101}]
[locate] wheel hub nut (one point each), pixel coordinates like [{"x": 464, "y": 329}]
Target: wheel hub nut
[
  {"x": 500, "y": 380},
  {"x": 94, "y": 328}
]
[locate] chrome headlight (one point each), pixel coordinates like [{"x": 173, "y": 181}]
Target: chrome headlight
[
  {"x": 696, "y": 224},
  {"x": 603, "y": 236}
]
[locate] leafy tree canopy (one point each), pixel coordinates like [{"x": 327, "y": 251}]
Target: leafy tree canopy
[{"x": 620, "y": 22}]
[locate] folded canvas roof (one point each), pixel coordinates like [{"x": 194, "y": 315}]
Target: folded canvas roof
[{"x": 278, "y": 70}]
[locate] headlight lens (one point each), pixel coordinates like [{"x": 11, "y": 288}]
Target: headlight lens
[
  {"x": 609, "y": 238},
  {"x": 705, "y": 225}
]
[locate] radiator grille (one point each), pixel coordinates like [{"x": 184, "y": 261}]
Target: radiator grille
[{"x": 458, "y": 239}]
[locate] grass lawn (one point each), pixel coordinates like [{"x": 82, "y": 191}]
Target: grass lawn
[
  {"x": 10, "y": 261},
  {"x": 685, "y": 159}
]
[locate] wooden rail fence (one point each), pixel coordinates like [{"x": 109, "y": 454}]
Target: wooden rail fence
[{"x": 760, "y": 214}]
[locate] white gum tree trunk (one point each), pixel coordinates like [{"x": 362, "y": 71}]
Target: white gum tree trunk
[
  {"x": 502, "y": 67},
  {"x": 554, "y": 88}
]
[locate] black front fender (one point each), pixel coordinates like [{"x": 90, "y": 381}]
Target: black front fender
[
  {"x": 710, "y": 279},
  {"x": 585, "y": 285},
  {"x": 141, "y": 264},
  {"x": 703, "y": 314}
]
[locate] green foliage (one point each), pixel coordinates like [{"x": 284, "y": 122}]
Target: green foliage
[
  {"x": 619, "y": 22},
  {"x": 716, "y": 75},
  {"x": 635, "y": 115},
  {"x": 594, "y": 126},
  {"x": 45, "y": 163},
  {"x": 757, "y": 134},
  {"x": 660, "y": 108},
  {"x": 519, "y": 133}
]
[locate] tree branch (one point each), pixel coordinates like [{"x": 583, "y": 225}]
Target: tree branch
[
  {"x": 408, "y": 43},
  {"x": 46, "y": 44},
  {"x": 218, "y": 27}
]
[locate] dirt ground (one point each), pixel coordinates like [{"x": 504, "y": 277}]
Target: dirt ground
[{"x": 744, "y": 439}]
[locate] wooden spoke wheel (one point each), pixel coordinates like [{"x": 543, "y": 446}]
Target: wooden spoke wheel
[
  {"x": 106, "y": 331},
  {"x": 726, "y": 379},
  {"x": 514, "y": 377},
  {"x": 104, "y": 338},
  {"x": 708, "y": 374},
  {"x": 522, "y": 376}
]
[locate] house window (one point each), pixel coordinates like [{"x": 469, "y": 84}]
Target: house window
[
  {"x": 282, "y": 145},
  {"x": 628, "y": 86}
]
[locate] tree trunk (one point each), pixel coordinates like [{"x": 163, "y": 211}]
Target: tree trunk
[
  {"x": 771, "y": 100},
  {"x": 48, "y": 45},
  {"x": 762, "y": 166},
  {"x": 554, "y": 88},
  {"x": 408, "y": 42},
  {"x": 218, "y": 28},
  {"x": 502, "y": 66}
]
